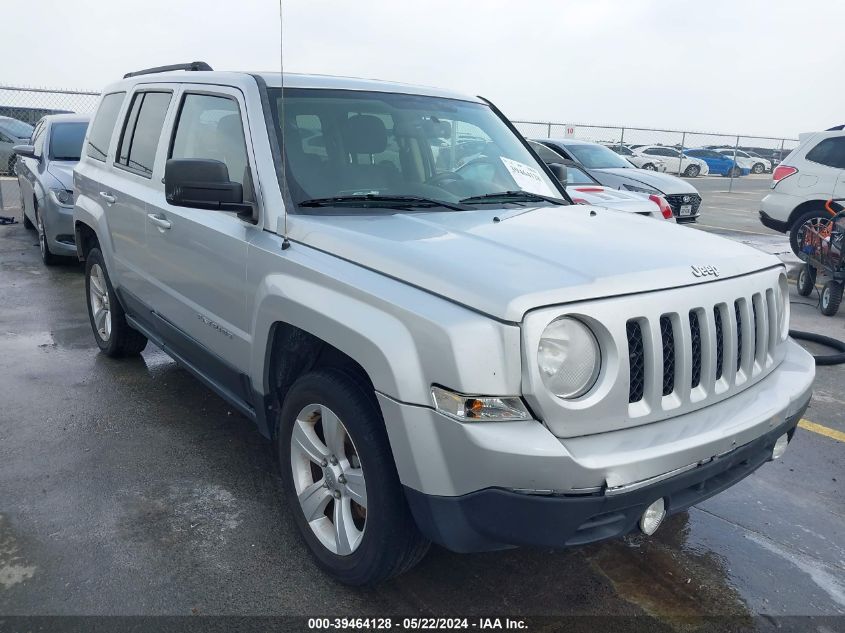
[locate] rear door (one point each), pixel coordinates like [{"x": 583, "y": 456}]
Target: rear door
[
  {"x": 198, "y": 256},
  {"x": 26, "y": 168}
]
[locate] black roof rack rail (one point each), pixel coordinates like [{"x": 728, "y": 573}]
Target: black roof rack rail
[{"x": 164, "y": 69}]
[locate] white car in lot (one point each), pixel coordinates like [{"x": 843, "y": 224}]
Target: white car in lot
[
  {"x": 756, "y": 164},
  {"x": 651, "y": 163},
  {"x": 676, "y": 162},
  {"x": 584, "y": 189},
  {"x": 809, "y": 176}
]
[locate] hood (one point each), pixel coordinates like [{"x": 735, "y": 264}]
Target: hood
[
  {"x": 63, "y": 172},
  {"x": 664, "y": 183},
  {"x": 530, "y": 258}
]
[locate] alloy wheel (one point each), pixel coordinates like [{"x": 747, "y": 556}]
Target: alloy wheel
[
  {"x": 98, "y": 292},
  {"x": 328, "y": 479}
]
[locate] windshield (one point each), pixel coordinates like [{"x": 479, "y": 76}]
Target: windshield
[
  {"x": 16, "y": 128},
  {"x": 356, "y": 144},
  {"x": 596, "y": 156},
  {"x": 66, "y": 140},
  {"x": 622, "y": 150}
]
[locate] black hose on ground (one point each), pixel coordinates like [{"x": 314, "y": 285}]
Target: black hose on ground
[{"x": 826, "y": 359}]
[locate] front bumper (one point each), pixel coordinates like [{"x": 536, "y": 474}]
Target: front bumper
[
  {"x": 454, "y": 472},
  {"x": 58, "y": 223},
  {"x": 496, "y": 519}
]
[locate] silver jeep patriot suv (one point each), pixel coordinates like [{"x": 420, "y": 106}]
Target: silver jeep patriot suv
[{"x": 400, "y": 295}]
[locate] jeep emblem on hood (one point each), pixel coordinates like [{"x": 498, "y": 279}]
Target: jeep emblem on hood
[{"x": 704, "y": 271}]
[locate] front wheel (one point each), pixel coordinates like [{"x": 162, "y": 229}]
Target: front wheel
[
  {"x": 47, "y": 256},
  {"x": 649, "y": 167},
  {"x": 831, "y": 298},
  {"x": 692, "y": 171},
  {"x": 758, "y": 168},
  {"x": 114, "y": 336},
  {"x": 340, "y": 481}
]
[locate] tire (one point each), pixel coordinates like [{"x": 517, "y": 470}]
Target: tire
[
  {"x": 381, "y": 539},
  {"x": 692, "y": 171},
  {"x": 831, "y": 298},
  {"x": 795, "y": 230},
  {"x": 735, "y": 172},
  {"x": 649, "y": 167},
  {"x": 47, "y": 257},
  {"x": 758, "y": 168},
  {"x": 806, "y": 280},
  {"x": 114, "y": 336}
]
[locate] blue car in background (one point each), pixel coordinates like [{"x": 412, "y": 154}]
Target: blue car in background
[{"x": 718, "y": 163}]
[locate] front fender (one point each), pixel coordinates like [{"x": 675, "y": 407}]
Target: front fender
[{"x": 405, "y": 338}]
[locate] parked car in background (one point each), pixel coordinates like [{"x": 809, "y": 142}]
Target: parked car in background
[
  {"x": 613, "y": 171},
  {"x": 810, "y": 175},
  {"x": 45, "y": 176},
  {"x": 12, "y": 132},
  {"x": 755, "y": 164},
  {"x": 652, "y": 163},
  {"x": 584, "y": 189},
  {"x": 718, "y": 163},
  {"x": 676, "y": 162}
]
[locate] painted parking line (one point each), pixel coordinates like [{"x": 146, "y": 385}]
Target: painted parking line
[
  {"x": 725, "y": 228},
  {"x": 822, "y": 430}
]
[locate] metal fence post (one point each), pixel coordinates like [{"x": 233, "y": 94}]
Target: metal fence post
[
  {"x": 622, "y": 138},
  {"x": 680, "y": 159},
  {"x": 780, "y": 156},
  {"x": 549, "y": 131},
  {"x": 733, "y": 168}
]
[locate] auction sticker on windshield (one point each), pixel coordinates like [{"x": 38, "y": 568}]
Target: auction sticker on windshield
[{"x": 527, "y": 178}]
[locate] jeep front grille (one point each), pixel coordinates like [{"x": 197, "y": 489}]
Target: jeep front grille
[{"x": 683, "y": 362}]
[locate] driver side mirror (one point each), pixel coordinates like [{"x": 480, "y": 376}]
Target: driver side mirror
[
  {"x": 203, "y": 183},
  {"x": 559, "y": 172},
  {"x": 25, "y": 151}
]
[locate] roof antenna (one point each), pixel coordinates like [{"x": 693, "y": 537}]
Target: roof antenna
[{"x": 286, "y": 198}]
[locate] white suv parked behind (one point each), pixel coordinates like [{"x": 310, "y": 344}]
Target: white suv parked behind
[{"x": 813, "y": 173}]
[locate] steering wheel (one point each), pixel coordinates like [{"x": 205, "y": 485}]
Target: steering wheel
[{"x": 444, "y": 176}]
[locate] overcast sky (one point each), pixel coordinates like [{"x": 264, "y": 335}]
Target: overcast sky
[{"x": 768, "y": 67}]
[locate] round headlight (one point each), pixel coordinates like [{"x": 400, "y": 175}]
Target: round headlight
[{"x": 568, "y": 357}]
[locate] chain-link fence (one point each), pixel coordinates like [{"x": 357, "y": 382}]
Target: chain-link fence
[
  {"x": 675, "y": 151},
  {"x": 20, "y": 110}
]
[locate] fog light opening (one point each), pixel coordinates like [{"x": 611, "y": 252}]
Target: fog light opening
[
  {"x": 780, "y": 446},
  {"x": 653, "y": 517}
]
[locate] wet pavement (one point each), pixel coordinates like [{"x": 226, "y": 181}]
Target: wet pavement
[{"x": 126, "y": 487}]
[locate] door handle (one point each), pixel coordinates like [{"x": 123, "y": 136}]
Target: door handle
[
  {"x": 107, "y": 197},
  {"x": 159, "y": 220}
]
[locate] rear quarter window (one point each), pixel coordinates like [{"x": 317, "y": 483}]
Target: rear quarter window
[
  {"x": 103, "y": 125},
  {"x": 830, "y": 152}
]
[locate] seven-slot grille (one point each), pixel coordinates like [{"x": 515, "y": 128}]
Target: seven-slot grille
[{"x": 745, "y": 330}]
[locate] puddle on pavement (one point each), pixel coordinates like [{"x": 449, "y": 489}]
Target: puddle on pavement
[
  {"x": 667, "y": 578},
  {"x": 13, "y": 567}
]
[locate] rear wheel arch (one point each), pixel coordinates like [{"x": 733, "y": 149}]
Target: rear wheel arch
[{"x": 804, "y": 207}]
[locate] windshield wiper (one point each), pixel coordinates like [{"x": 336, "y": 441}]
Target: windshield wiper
[
  {"x": 375, "y": 201},
  {"x": 511, "y": 196}
]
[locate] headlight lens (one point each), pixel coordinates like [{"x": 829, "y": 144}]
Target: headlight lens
[
  {"x": 479, "y": 408},
  {"x": 640, "y": 189},
  {"x": 569, "y": 358},
  {"x": 62, "y": 196}
]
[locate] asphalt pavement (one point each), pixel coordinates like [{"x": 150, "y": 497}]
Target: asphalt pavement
[{"x": 128, "y": 488}]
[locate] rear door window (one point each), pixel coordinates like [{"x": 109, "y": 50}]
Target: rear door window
[
  {"x": 142, "y": 131},
  {"x": 103, "y": 125},
  {"x": 830, "y": 152}
]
